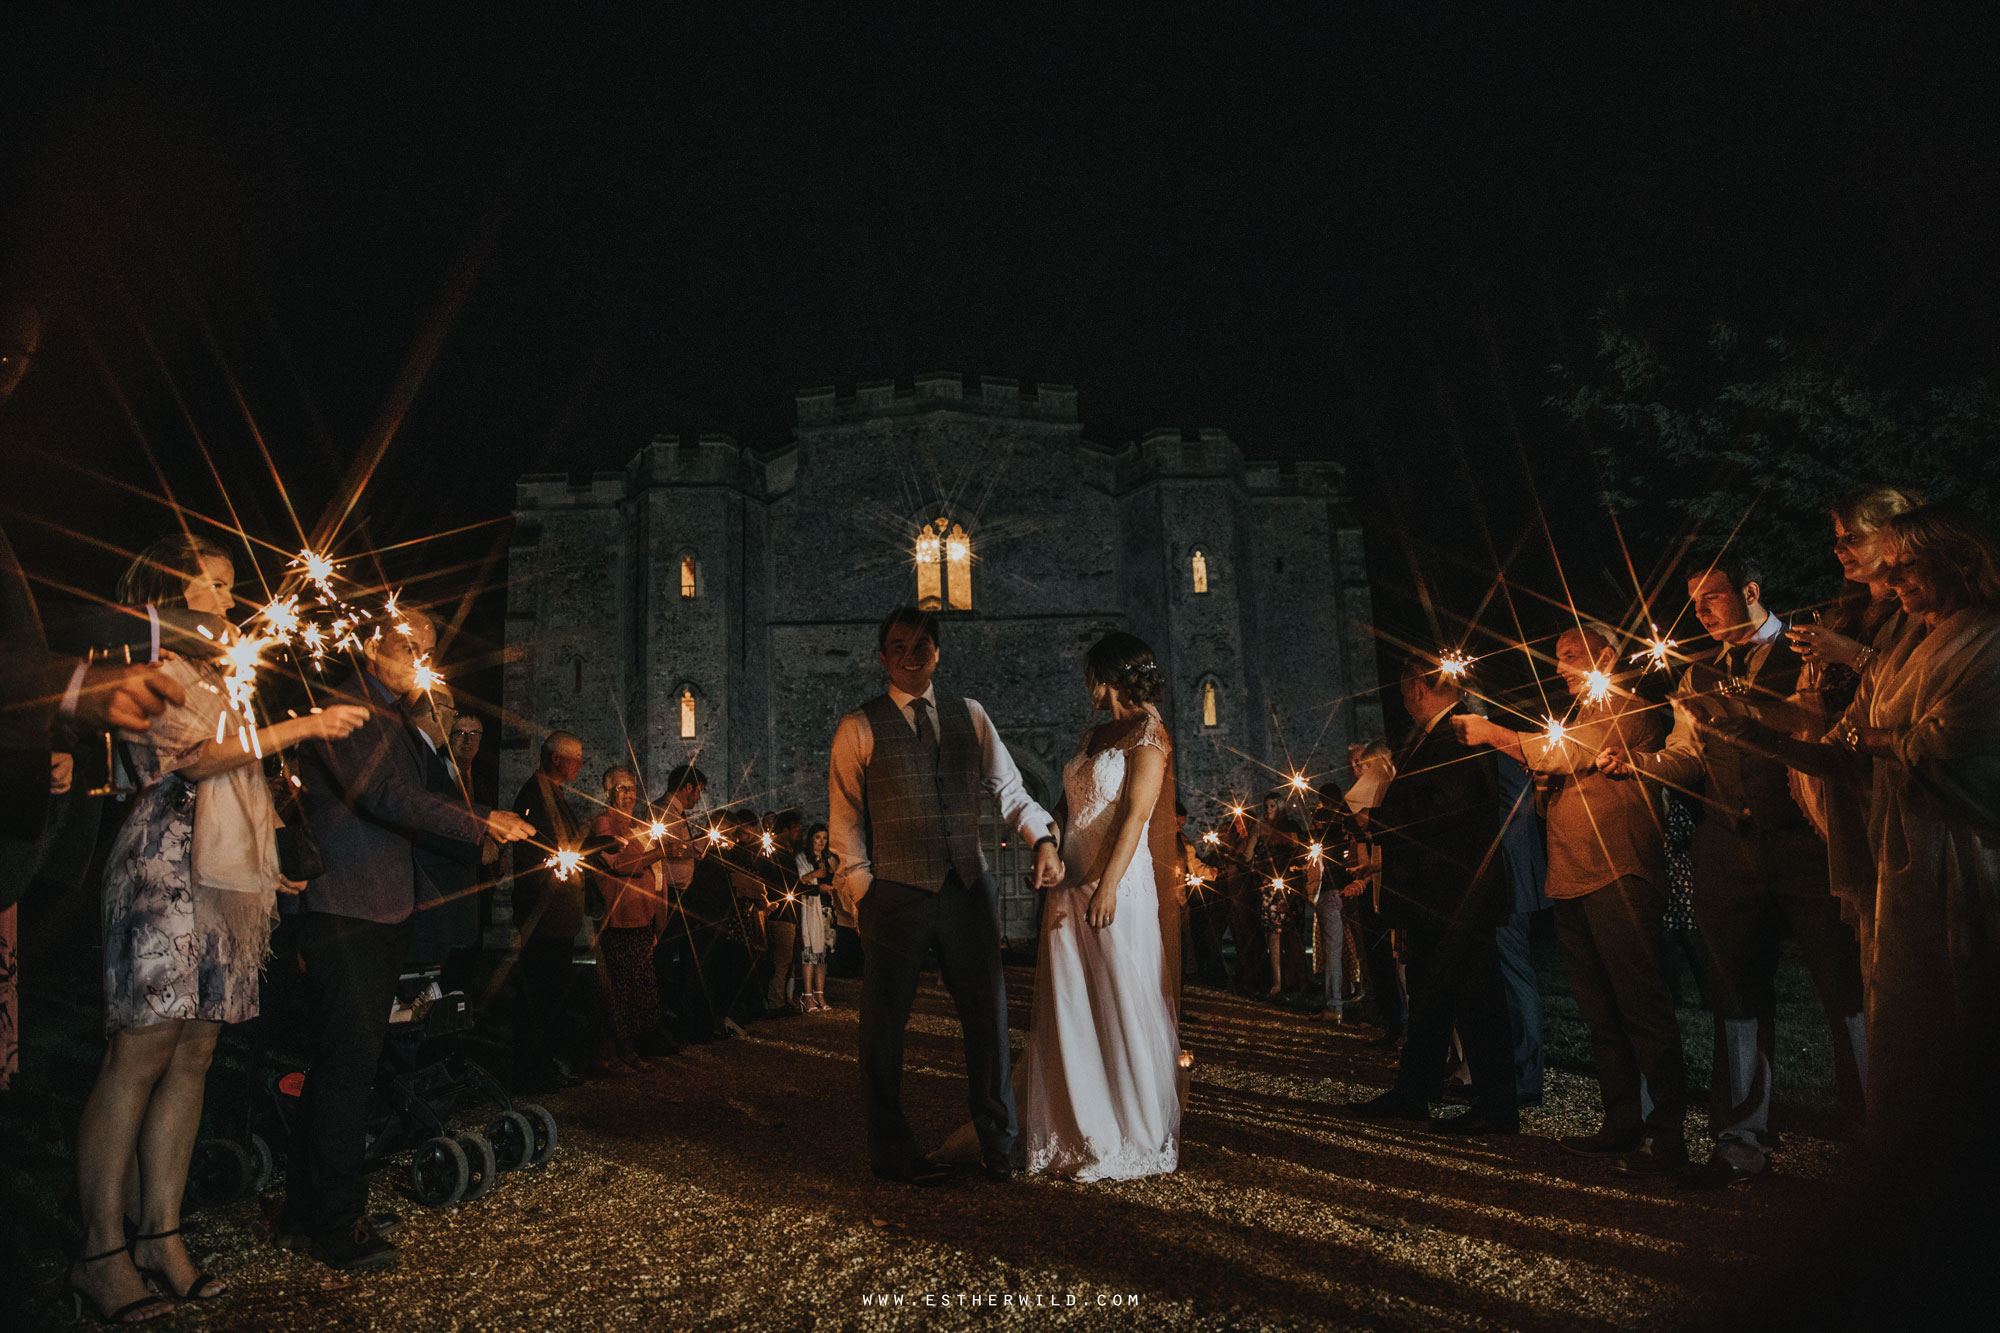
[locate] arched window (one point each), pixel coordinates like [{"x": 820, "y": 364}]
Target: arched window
[
  {"x": 958, "y": 569},
  {"x": 944, "y": 566},
  {"x": 1199, "y": 564},
  {"x": 688, "y": 587},
  {"x": 930, "y": 572},
  {"x": 687, "y": 713},
  {"x": 1211, "y": 704}
]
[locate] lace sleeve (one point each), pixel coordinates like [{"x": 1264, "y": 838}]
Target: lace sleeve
[{"x": 1153, "y": 733}]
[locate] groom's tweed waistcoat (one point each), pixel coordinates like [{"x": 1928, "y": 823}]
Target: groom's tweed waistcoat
[{"x": 923, "y": 808}]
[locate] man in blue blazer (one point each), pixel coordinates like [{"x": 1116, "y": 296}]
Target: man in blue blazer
[{"x": 365, "y": 801}]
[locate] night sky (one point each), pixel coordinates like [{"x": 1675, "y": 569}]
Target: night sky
[{"x": 1333, "y": 231}]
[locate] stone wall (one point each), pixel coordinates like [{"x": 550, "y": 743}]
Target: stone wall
[{"x": 800, "y": 554}]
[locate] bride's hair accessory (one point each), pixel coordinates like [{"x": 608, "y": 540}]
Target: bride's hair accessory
[{"x": 1125, "y": 663}]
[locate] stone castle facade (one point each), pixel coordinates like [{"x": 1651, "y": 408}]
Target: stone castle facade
[{"x": 711, "y": 603}]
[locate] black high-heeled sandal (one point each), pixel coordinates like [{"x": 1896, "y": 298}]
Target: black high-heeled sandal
[
  {"x": 194, "y": 1289},
  {"x": 79, "y": 1298}
]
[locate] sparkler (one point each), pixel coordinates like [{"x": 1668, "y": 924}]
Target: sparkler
[
  {"x": 1277, "y": 884},
  {"x": 1212, "y": 838},
  {"x": 1299, "y": 784},
  {"x": 1554, "y": 733},
  {"x": 1596, "y": 686},
  {"x": 565, "y": 864},
  {"x": 769, "y": 843},
  {"x": 319, "y": 570},
  {"x": 657, "y": 830},
  {"x": 1313, "y": 853},
  {"x": 427, "y": 679},
  {"x": 715, "y": 835},
  {"x": 1656, "y": 653},
  {"x": 1453, "y": 665}
]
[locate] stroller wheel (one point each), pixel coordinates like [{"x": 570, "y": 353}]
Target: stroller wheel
[
  {"x": 263, "y": 1164},
  {"x": 545, "y": 1132},
  {"x": 513, "y": 1140},
  {"x": 439, "y": 1173},
  {"x": 479, "y": 1157},
  {"x": 218, "y": 1173}
]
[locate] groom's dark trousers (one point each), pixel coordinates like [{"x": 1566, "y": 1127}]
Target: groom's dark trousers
[{"x": 899, "y": 925}]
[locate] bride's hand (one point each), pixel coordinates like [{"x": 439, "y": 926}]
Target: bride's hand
[{"x": 1103, "y": 906}]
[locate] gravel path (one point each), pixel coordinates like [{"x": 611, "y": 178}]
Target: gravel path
[{"x": 727, "y": 1188}]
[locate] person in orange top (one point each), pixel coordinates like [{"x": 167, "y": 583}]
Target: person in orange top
[{"x": 634, "y": 917}]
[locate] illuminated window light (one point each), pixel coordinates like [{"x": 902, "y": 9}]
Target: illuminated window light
[
  {"x": 1200, "y": 565},
  {"x": 687, "y": 576},
  {"x": 1210, "y": 704},
  {"x": 958, "y": 569},
  {"x": 930, "y": 571},
  {"x": 687, "y": 715}
]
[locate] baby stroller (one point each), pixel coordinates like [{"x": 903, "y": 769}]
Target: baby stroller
[{"x": 424, "y": 1082}]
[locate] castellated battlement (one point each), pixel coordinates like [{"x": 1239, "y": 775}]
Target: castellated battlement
[
  {"x": 1169, "y": 452},
  {"x": 939, "y": 390},
  {"x": 565, "y": 490}
]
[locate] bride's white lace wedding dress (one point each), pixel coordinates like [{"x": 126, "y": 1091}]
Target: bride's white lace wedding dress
[{"x": 1098, "y": 1086}]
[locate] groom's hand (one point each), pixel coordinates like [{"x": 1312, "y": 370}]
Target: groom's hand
[{"x": 1048, "y": 866}]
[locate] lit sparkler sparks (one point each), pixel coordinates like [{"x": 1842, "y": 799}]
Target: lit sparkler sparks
[
  {"x": 282, "y": 615},
  {"x": 1277, "y": 884},
  {"x": 657, "y": 829},
  {"x": 1453, "y": 665},
  {"x": 427, "y": 678},
  {"x": 769, "y": 843},
  {"x": 1596, "y": 686},
  {"x": 565, "y": 864},
  {"x": 1657, "y": 653},
  {"x": 1299, "y": 783},
  {"x": 1314, "y": 852},
  {"x": 319, "y": 569},
  {"x": 1212, "y": 838},
  {"x": 1554, "y": 732},
  {"x": 715, "y": 835}
]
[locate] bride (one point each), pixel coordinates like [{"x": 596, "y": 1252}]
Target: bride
[{"x": 1098, "y": 1085}]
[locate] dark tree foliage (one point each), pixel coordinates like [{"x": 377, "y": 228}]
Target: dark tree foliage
[{"x": 1757, "y": 438}]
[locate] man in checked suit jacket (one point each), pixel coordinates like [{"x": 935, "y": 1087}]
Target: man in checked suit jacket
[
  {"x": 1444, "y": 885},
  {"x": 365, "y": 802}
]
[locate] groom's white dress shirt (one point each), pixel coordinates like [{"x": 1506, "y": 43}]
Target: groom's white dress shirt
[{"x": 854, "y": 746}]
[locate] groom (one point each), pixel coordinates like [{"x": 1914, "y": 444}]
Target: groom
[{"x": 904, "y": 791}]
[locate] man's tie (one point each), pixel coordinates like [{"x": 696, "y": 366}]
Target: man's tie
[{"x": 926, "y": 733}]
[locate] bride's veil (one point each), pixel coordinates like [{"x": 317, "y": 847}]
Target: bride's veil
[{"x": 1164, "y": 842}]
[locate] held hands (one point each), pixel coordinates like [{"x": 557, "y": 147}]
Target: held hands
[
  {"x": 505, "y": 826},
  {"x": 1615, "y": 761},
  {"x": 1048, "y": 866}
]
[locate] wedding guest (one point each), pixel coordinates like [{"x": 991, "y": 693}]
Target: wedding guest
[
  {"x": 364, "y": 798},
  {"x": 447, "y": 922},
  {"x": 1607, "y": 877},
  {"x": 677, "y": 961},
  {"x": 1758, "y": 863},
  {"x": 635, "y": 915},
  {"x": 189, "y": 889},
  {"x": 1201, "y": 930},
  {"x": 817, "y": 869},
  {"x": 1928, "y": 714},
  {"x": 1273, "y": 846},
  {"x": 1373, "y": 765},
  {"x": 1444, "y": 888},
  {"x": 1343, "y": 867},
  {"x": 781, "y": 922},
  {"x": 548, "y": 914},
  {"x": 1866, "y": 622}
]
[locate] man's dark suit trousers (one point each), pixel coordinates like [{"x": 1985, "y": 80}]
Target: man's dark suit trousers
[
  {"x": 1455, "y": 980},
  {"x": 350, "y": 983},
  {"x": 899, "y": 926}
]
